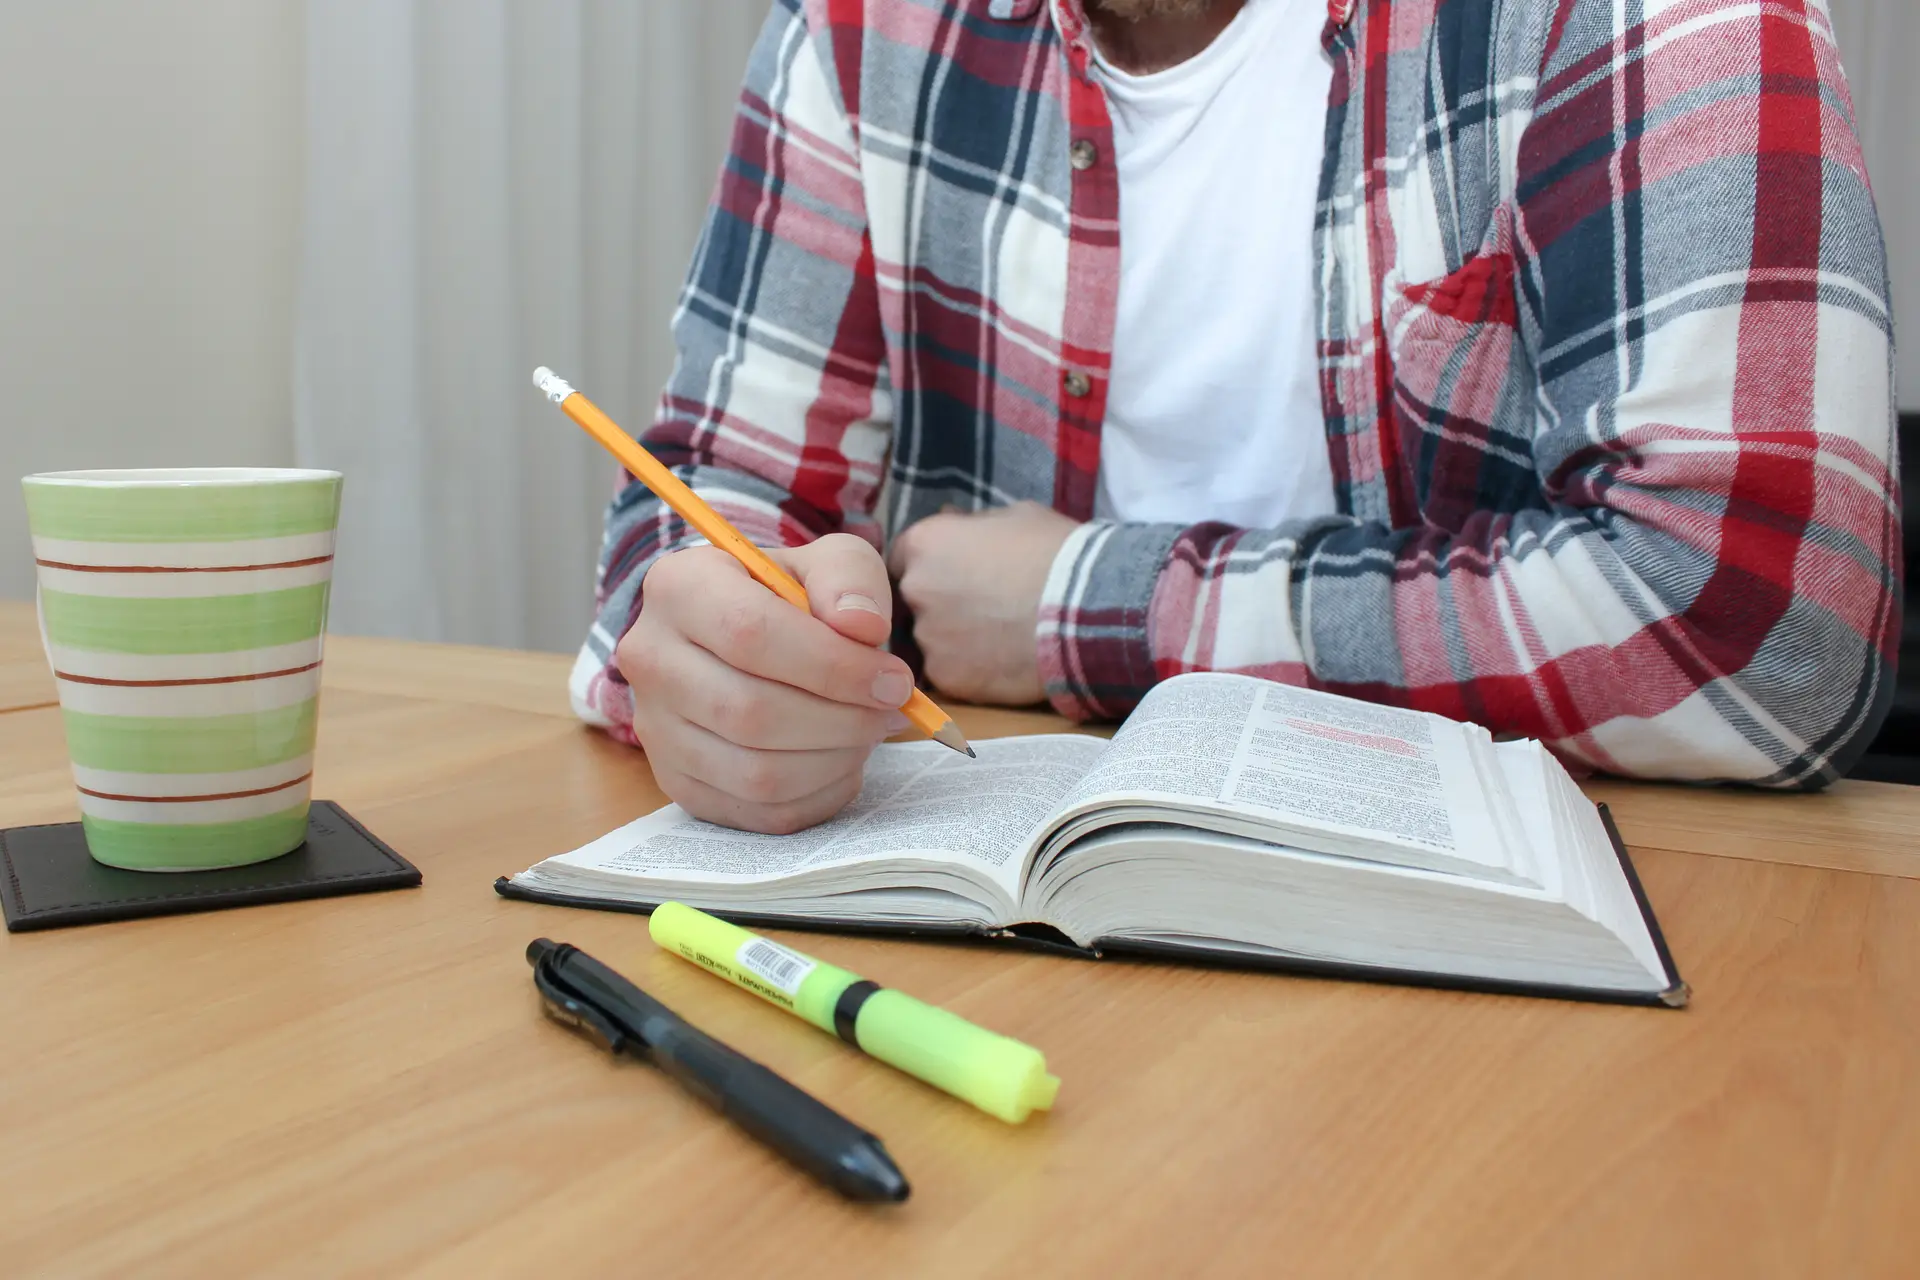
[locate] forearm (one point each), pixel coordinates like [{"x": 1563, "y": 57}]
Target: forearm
[{"x": 1590, "y": 636}]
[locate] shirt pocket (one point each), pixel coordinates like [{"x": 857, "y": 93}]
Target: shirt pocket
[{"x": 1461, "y": 402}]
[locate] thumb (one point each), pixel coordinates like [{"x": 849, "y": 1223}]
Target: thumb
[{"x": 846, "y": 583}]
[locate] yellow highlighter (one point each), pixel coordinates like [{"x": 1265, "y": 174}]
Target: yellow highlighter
[{"x": 1002, "y": 1077}]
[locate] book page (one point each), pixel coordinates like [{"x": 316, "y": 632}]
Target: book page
[
  {"x": 1350, "y": 764},
  {"x": 1180, "y": 742},
  {"x": 1305, "y": 760},
  {"x": 919, "y": 800}
]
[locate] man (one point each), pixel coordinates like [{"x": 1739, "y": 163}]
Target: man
[{"x": 1525, "y": 362}]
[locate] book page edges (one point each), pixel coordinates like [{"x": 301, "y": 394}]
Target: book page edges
[
  {"x": 929, "y": 930},
  {"x": 1677, "y": 993},
  {"x": 1674, "y": 996}
]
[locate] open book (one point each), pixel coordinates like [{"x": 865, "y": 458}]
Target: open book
[{"x": 1229, "y": 819}]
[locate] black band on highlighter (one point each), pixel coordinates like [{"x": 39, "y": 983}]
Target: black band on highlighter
[{"x": 846, "y": 1010}]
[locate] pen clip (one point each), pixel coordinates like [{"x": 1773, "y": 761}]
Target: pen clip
[{"x": 570, "y": 1009}]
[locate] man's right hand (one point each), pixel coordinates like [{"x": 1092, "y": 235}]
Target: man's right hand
[{"x": 754, "y": 714}]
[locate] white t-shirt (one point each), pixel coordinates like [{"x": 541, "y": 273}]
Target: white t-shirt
[{"x": 1214, "y": 408}]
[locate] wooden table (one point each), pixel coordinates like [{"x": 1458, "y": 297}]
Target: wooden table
[
  {"x": 24, "y": 678},
  {"x": 365, "y": 1086}
]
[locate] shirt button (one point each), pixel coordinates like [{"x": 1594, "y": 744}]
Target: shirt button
[
  {"x": 1078, "y": 383},
  {"x": 1083, "y": 154}
]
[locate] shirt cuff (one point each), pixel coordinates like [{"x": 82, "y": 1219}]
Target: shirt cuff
[{"x": 1093, "y": 642}]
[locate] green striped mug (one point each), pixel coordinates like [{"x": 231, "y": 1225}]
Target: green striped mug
[{"x": 183, "y": 614}]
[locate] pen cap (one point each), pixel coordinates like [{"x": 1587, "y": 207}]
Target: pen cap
[{"x": 1002, "y": 1077}]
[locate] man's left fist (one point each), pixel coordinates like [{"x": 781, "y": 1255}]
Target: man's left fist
[{"x": 973, "y": 581}]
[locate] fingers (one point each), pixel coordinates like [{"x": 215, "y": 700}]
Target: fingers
[
  {"x": 745, "y": 710},
  {"x": 914, "y": 540},
  {"x": 768, "y": 778},
  {"x": 846, "y": 582},
  {"x": 752, "y": 712},
  {"x": 901, "y": 552},
  {"x": 705, "y": 801},
  {"x": 752, "y": 630}
]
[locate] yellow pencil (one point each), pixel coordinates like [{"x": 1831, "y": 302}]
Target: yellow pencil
[{"x": 689, "y": 506}]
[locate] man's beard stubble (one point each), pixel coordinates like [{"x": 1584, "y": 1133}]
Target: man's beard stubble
[{"x": 1134, "y": 10}]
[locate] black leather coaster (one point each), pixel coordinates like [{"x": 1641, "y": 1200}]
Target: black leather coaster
[{"x": 47, "y": 878}]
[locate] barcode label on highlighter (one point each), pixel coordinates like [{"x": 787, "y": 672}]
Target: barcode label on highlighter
[{"x": 781, "y": 968}]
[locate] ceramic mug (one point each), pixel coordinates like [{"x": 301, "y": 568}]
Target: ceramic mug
[{"x": 183, "y": 613}]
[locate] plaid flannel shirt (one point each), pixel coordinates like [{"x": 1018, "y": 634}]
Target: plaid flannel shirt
[{"x": 1605, "y": 354}]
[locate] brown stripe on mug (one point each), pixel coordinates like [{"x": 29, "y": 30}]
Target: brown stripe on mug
[
  {"x": 176, "y": 684},
  {"x": 227, "y": 795},
  {"x": 179, "y": 568}
]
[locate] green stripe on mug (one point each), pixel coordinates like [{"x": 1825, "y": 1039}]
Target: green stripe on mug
[
  {"x": 193, "y": 624},
  {"x": 191, "y": 744},
  {"x": 192, "y": 846},
  {"x": 218, "y": 512}
]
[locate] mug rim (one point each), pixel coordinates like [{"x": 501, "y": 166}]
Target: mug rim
[{"x": 176, "y": 477}]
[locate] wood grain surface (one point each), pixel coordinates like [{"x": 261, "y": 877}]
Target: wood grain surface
[
  {"x": 365, "y": 1086},
  {"x": 25, "y": 680}
]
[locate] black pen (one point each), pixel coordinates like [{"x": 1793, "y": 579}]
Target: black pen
[{"x": 593, "y": 999}]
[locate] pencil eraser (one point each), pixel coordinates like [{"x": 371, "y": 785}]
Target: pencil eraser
[{"x": 551, "y": 384}]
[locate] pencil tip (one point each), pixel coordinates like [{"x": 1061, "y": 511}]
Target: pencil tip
[
  {"x": 950, "y": 736},
  {"x": 972, "y": 754}
]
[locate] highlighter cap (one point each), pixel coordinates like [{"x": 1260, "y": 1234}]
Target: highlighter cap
[{"x": 1001, "y": 1076}]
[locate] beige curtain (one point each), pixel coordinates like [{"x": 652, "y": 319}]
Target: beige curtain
[
  {"x": 493, "y": 185},
  {"x": 1880, "y": 48}
]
